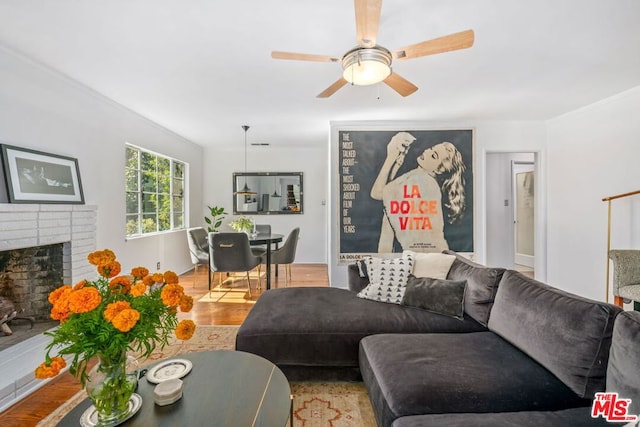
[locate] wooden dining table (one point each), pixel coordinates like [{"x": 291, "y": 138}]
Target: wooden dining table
[{"x": 268, "y": 240}]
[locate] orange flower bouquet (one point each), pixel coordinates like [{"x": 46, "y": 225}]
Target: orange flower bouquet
[{"x": 108, "y": 317}]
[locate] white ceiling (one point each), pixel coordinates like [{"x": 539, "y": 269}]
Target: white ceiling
[{"x": 202, "y": 68}]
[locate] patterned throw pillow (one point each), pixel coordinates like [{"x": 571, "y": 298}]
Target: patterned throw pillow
[
  {"x": 362, "y": 267},
  {"x": 387, "y": 279}
]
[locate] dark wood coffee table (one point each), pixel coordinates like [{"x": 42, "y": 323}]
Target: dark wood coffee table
[{"x": 224, "y": 388}]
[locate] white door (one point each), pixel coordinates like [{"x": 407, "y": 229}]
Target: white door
[{"x": 523, "y": 178}]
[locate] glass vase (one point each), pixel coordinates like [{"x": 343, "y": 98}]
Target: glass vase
[{"x": 110, "y": 386}]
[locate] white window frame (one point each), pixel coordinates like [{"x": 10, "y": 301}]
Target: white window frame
[{"x": 140, "y": 214}]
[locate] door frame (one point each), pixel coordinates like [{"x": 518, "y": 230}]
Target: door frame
[{"x": 540, "y": 204}]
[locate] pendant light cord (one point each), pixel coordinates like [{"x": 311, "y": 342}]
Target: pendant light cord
[{"x": 246, "y": 128}]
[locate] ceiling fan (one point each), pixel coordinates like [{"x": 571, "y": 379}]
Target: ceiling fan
[{"x": 370, "y": 63}]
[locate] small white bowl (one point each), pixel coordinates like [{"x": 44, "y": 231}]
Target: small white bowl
[{"x": 168, "y": 392}]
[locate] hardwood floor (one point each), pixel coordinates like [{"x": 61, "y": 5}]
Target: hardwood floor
[{"x": 229, "y": 308}]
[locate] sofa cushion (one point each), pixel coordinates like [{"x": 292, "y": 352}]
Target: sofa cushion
[
  {"x": 431, "y": 264},
  {"x": 567, "y": 334},
  {"x": 444, "y": 297},
  {"x": 575, "y": 417},
  {"x": 322, "y": 326},
  {"x": 482, "y": 284},
  {"x": 387, "y": 278},
  {"x": 623, "y": 375},
  {"x": 455, "y": 373}
]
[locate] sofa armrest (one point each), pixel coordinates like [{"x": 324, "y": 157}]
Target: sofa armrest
[{"x": 356, "y": 283}]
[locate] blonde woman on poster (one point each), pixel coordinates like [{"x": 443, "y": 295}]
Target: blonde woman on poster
[{"x": 414, "y": 212}]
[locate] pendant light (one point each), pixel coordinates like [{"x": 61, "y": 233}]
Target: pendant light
[
  {"x": 246, "y": 191},
  {"x": 275, "y": 188}
]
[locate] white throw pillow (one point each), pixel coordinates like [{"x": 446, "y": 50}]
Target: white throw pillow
[
  {"x": 387, "y": 278},
  {"x": 433, "y": 264}
]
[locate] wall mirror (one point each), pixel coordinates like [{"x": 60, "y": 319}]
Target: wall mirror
[{"x": 267, "y": 193}]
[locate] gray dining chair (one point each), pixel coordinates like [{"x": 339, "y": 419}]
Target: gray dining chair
[
  {"x": 261, "y": 229},
  {"x": 198, "y": 250},
  {"x": 286, "y": 254},
  {"x": 231, "y": 253}
]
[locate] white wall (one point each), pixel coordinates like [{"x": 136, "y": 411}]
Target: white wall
[
  {"x": 42, "y": 110},
  {"x": 308, "y": 157},
  {"x": 593, "y": 153}
]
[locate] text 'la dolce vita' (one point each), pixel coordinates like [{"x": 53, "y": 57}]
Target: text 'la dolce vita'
[{"x": 416, "y": 209}]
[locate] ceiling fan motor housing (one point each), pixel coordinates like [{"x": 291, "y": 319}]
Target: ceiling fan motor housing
[{"x": 365, "y": 66}]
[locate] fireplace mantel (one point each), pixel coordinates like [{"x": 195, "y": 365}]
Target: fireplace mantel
[{"x": 31, "y": 225}]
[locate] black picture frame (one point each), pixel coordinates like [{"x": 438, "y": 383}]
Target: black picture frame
[{"x": 37, "y": 177}]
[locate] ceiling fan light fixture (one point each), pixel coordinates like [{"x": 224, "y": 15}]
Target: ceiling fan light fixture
[{"x": 366, "y": 66}]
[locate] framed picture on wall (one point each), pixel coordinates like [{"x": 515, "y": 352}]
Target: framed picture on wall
[
  {"x": 35, "y": 177},
  {"x": 404, "y": 189}
]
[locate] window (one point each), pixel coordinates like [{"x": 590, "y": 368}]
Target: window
[{"x": 154, "y": 192}]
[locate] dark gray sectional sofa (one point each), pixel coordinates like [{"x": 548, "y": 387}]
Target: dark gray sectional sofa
[{"x": 525, "y": 353}]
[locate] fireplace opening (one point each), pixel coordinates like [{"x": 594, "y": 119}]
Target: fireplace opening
[{"x": 27, "y": 276}]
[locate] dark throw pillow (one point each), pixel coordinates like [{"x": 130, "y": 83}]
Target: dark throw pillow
[{"x": 440, "y": 296}]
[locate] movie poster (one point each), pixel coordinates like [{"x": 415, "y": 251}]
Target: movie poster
[{"x": 404, "y": 190}]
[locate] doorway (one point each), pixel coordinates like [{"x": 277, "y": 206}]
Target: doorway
[
  {"x": 522, "y": 184},
  {"x": 511, "y": 213}
]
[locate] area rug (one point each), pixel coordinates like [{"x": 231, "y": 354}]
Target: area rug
[{"x": 339, "y": 404}]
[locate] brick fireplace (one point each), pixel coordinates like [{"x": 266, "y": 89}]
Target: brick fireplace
[
  {"x": 27, "y": 276},
  {"x": 25, "y": 226}
]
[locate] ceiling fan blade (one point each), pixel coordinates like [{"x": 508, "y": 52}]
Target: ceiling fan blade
[
  {"x": 333, "y": 88},
  {"x": 303, "y": 57},
  {"x": 367, "y": 20},
  {"x": 448, "y": 43},
  {"x": 401, "y": 85}
]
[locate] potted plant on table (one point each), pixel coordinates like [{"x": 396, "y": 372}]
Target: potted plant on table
[
  {"x": 106, "y": 318},
  {"x": 218, "y": 214},
  {"x": 242, "y": 223}
]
